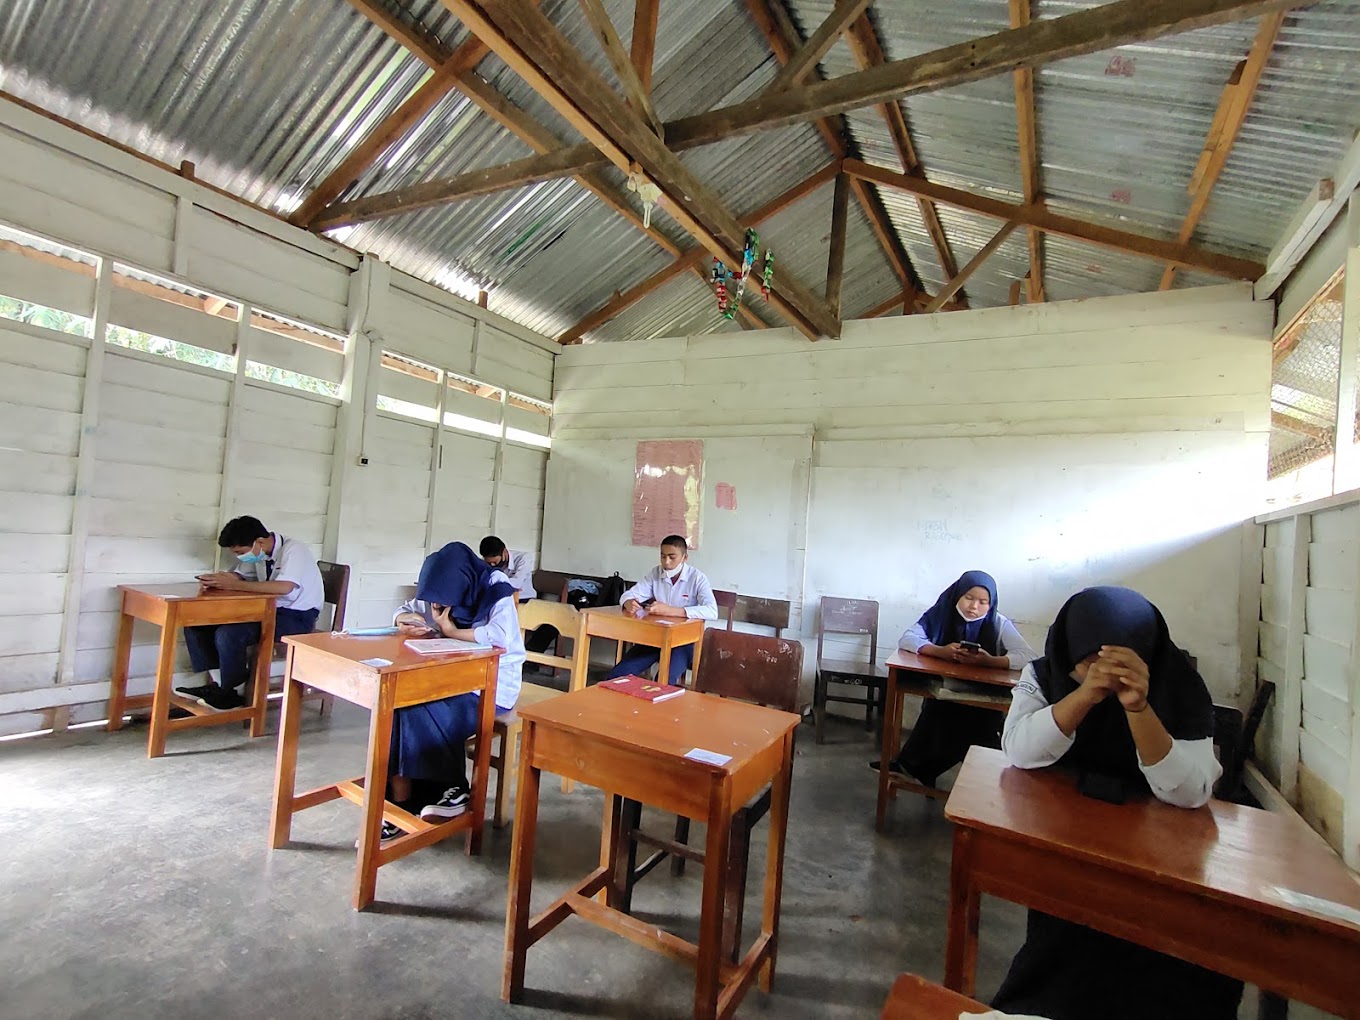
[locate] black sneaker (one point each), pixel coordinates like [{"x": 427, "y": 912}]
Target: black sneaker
[
  {"x": 389, "y": 833},
  {"x": 219, "y": 699},
  {"x": 454, "y": 803},
  {"x": 894, "y": 766},
  {"x": 195, "y": 693}
]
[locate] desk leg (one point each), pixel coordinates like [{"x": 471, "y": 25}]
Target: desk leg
[
  {"x": 375, "y": 792},
  {"x": 285, "y": 771},
  {"x": 708, "y": 984},
  {"x": 960, "y": 950},
  {"x": 663, "y": 668},
  {"x": 694, "y": 662},
  {"x": 264, "y": 658},
  {"x": 521, "y": 871},
  {"x": 165, "y": 673},
  {"x": 122, "y": 655},
  {"x": 611, "y": 838},
  {"x": 774, "y": 862},
  {"x": 892, "y": 727},
  {"x": 481, "y": 764}
]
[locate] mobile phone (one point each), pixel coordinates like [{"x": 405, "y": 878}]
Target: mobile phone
[{"x": 970, "y": 646}]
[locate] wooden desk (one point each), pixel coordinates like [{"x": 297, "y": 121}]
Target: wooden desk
[
  {"x": 907, "y": 674},
  {"x": 172, "y": 606},
  {"x": 915, "y": 998},
  {"x": 635, "y": 750},
  {"x": 1193, "y": 884},
  {"x": 663, "y": 632},
  {"x": 332, "y": 663}
]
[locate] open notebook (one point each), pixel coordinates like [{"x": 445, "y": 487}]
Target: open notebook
[{"x": 443, "y": 646}]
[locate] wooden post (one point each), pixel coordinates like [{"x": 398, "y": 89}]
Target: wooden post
[
  {"x": 1346, "y": 463},
  {"x": 226, "y": 503},
  {"x": 835, "y": 263},
  {"x": 1016, "y": 286},
  {"x": 499, "y": 468},
  {"x": 1289, "y": 697},
  {"x": 436, "y": 467},
  {"x": 482, "y": 298}
]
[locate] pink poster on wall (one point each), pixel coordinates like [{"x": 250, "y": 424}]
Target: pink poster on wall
[{"x": 667, "y": 490}]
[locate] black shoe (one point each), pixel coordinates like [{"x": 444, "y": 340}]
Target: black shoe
[
  {"x": 454, "y": 803},
  {"x": 389, "y": 833},
  {"x": 894, "y": 766},
  {"x": 219, "y": 699},
  {"x": 898, "y": 769},
  {"x": 194, "y": 693}
]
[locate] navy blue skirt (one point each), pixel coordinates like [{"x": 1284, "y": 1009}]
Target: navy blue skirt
[{"x": 428, "y": 740}]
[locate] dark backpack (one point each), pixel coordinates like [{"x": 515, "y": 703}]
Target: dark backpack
[{"x": 611, "y": 591}]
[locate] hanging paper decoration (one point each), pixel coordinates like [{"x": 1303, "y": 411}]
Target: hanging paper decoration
[
  {"x": 647, "y": 192},
  {"x": 721, "y": 276},
  {"x": 767, "y": 274},
  {"x": 748, "y": 261}
]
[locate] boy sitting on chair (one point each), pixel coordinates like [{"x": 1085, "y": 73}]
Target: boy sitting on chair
[
  {"x": 270, "y": 564},
  {"x": 672, "y": 589}
]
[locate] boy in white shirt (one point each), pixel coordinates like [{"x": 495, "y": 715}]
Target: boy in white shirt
[
  {"x": 270, "y": 564},
  {"x": 673, "y": 589},
  {"x": 517, "y": 566}
]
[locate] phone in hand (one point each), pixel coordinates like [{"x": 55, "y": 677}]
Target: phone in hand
[{"x": 970, "y": 646}]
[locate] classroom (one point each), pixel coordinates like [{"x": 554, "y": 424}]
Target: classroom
[{"x": 666, "y": 508}]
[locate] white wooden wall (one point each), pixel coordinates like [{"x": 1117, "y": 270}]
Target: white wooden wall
[
  {"x": 129, "y": 477},
  {"x": 1118, "y": 440}
]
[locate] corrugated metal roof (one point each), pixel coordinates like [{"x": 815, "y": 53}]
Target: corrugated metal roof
[{"x": 268, "y": 96}]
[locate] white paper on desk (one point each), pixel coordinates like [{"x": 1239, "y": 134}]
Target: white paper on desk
[
  {"x": 377, "y": 661},
  {"x": 708, "y": 757},
  {"x": 1317, "y": 905},
  {"x": 996, "y": 1014}
]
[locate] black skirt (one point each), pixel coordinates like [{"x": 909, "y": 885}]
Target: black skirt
[{"x": 1066, "y": 971}]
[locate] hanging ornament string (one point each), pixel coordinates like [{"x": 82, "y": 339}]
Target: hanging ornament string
[
  {"x": 720, "y": 277},
  {"x": 748, "y": 261},
  {"x": 767, "y": 275}
]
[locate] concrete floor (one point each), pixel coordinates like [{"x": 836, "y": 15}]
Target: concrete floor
[{"x": 145, "y": 889}]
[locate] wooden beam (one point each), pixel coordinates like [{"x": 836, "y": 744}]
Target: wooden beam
[
  {"x": 810, "y": 54},
  {"x": 1016, "y": 287},
  {"x": 1289, "y": 423},
  {"x": 645, "y": 15},
  {"x": 774, "y": 23},
  {"x": 691, "y": 259},
  {"x": 517, "y": 174},
  {"x": 423, "y": 43},
  {"x": 1027, "y": 127},
  {"x": 952, "y": 287},
  {"x": 1088, "y": 31},
  {"x": 415, "y": 108},
  {"x": 621, "y": 61},
  {"x": 1233, "y": 107},
  {"x": 896, "y": 301},
  {"x": 835, "y": 260},
  {"x": 517, "y": 27},
  {"x": 867, "y": 50},
  {"x": 1065, "y": 226}
]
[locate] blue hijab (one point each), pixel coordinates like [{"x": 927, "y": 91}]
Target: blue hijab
[
  {"x": 943, "y": 624},
  {"x": 456, "y": 577},
  {"x": 1176, "y": 691}
]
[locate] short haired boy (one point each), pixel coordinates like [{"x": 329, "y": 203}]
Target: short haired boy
[
  {"x": 268, "y": 563},
  {"x": 674, "y": 589},
  {"x": 517, "y": 566}
]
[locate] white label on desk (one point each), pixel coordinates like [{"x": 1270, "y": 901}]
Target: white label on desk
[
  {"x": 377, "y": 661},
  {"x": 1317, "y": 905},
  {"x": 708, "y": 757}
]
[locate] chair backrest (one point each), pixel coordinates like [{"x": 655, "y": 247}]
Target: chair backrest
[
  {"x": 727, "y": 603},
  {"x": 751, "y": 667},
  {"x": 335, "y": 584},
  {"x": 848, "y": 616},
  {"x": 762, "y": 613},
  {"x": 1228, "y": 740},
  {"x": 570, "y": 624}
]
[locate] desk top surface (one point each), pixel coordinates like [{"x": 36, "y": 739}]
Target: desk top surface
[
  {"x": 616, "y": 612},
  {"x": 913, "y": 663},
  {"x": 1225, "y": 851},
  {"x": 392, "y": 647},
  {"x": 190, "y": 591},
  {"x": 915, "y": 998},
  {"x": 669, "y": 729}
]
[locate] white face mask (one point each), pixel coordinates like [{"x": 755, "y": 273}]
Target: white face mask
[
  {"x": 968, "y": 619},
  {"x": 670, "y": 575}
]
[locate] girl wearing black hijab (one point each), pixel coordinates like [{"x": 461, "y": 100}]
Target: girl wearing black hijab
[
  {"x": 965, "y": 611},
  {"x": 1114, "y": 696}
]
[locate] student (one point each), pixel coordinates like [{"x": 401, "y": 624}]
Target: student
[
  {"x": 518, "y": 567},
  {"x": 271, "y": 564},
  {"x": 1114, "y": 696},
  {"x": 965, "y": 611},
  {"x": 457, "y": 596},
  {"x": 674, "y": 589}
]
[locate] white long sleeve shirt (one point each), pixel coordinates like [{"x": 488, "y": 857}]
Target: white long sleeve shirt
[
  {"x": 1031, "y": 739},
  {"x": 501, "y": 630},
  {"x": 689, "y": 591},
  {"x": 1019, "y": 652},
  {"x": 520, "y": 571}
]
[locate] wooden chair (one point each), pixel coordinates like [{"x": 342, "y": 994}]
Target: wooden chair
[
  {"x": 773, "y": 613},
  {"x": 748, "y": 667},
  {"x": 505, "y": 752},
  {"x": 915, "y": 998},
  {"x": 570, "y": 624},
  {"x": 727, "y": 602},
  {"x": 335, "y": 593},
  {"x": 849, "y": 616},
  {"x": 1234, "y": 737}
]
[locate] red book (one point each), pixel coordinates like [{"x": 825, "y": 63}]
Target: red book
[{"x": 644, "y": 689}]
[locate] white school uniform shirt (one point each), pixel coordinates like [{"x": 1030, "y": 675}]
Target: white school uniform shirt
[
  {"x": 1018, "y": 651},
  {"x": 290, "y": 561},
  {"x": 1031, "y": 739},
  {"x": 501, "y": 629},
  {"x": 690, "y": 592},
  {"x": 520, "y": 571}
]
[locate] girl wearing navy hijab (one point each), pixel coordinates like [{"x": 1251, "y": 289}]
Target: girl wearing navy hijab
[
  {"x": 1113, "y": 695},
  {"x": 457, "y": 596},
  {"x": 965, "y": 611}
]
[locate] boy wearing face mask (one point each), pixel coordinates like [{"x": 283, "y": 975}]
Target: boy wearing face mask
[
  {"x": 268, "y": 563},
  {"x": 673, "y": 589}
]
